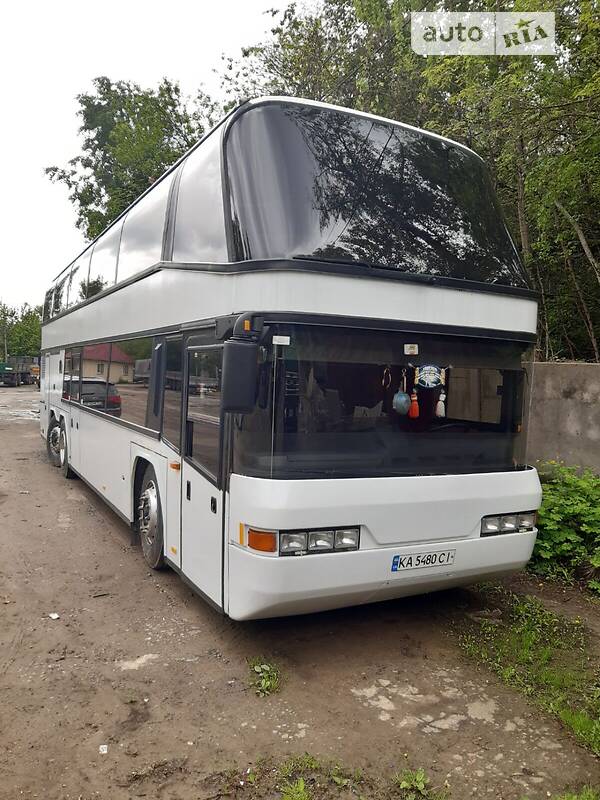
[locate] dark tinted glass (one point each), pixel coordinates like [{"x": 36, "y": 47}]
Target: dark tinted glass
[
  {"x": 75, "y": 375},
  {"x": 130, "y": 375},
  {"x": 95, "y": 360},
  {"x": 204, "y": 407},
  {"x": 66, "y": 391},
  {"x": 199, "y": 222},
  {"x": 78, "y": 279},
  {"x": 141, "y": 243},
  {"x": 103, "y": 266},
  {"x": 323, "y": 184},
  {"x": 340, "y": 403},
  {"x": 47, "y": 312},
  {"x": 172, "y": 395},
  {"x": 60, "y": 293},
  {"x": 71, "y": 375}
]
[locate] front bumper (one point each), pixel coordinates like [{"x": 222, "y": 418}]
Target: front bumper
[{"x": 262, "y": 586}]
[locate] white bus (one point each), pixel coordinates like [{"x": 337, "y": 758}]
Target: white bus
[{"x": 334, "y": 323}]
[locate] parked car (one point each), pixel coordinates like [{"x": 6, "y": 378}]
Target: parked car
[{"x": 94, "y": 394}]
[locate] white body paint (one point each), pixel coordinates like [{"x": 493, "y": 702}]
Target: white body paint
[{"x": 396, "y": 516}]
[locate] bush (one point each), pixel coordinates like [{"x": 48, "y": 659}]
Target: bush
[{"x": 568, "y": 543}]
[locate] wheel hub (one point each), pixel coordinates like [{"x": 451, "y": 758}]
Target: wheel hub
[
  {"x": 148, "y": 514},
  {"x": 55, "y": 440},
  {"x": 62, "y": 447}
]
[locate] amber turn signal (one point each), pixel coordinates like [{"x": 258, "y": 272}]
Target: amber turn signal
[{"x": 264, "y": 541}]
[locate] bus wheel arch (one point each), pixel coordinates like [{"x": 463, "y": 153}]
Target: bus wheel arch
[{"x": 149, "y": 515}]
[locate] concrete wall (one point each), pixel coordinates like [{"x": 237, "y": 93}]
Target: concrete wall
[{"x": 564, "y": 422}]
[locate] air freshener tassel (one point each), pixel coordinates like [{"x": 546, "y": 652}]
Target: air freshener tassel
[
  {"x": 440, "y": 407},
  {"x": 401, "y": 401},
  {"x": 413, "y": 411}
]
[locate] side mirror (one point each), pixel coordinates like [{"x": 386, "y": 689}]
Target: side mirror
[{"x": 240, "y": 375}]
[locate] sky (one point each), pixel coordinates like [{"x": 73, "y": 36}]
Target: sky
[{"x": 50, "y": 53}]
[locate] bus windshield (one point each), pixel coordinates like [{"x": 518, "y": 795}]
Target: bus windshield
[
  {"x": 324, "y": 184},
  {"x": 355, "y": 403}
]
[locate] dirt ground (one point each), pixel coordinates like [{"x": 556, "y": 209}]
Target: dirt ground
[{"x": 138, "y": 663}]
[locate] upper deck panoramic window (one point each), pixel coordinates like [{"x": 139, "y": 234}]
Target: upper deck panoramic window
[{"x": 325, "y": 184}]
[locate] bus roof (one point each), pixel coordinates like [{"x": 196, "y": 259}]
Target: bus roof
[{"x": 231, "y": 116}]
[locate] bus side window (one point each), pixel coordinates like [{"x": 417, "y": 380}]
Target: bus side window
[
  {"x": 66, "y": 391},
  {"x": 203, "y": 420},
  {"x": 171, "y": 427},
  {"x": 75, "y": 375}
]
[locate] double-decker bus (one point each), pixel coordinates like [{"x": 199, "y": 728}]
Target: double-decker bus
[{"x": 296, "y": 365}]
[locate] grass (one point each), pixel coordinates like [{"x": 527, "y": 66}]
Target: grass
[
  {"x": 544, "y": 656},
  {"x": 587, "y": 793},
  {"x": 265, "y": 677},
  {"x": 413, "y": 784},
  {"x": 308, "y": 778}
]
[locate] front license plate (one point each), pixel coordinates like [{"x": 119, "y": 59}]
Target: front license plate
[{"x": 441, "y": 558}]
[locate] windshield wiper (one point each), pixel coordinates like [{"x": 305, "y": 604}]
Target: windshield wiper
[
  {"x": 417, "y": 276},
  {"x": 352, "y": 262}
]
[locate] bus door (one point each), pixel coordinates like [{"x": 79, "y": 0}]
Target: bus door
[{"x": 202, "y": 495}]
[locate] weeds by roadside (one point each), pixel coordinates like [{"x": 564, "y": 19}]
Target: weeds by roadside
[
  {"x": 587, "y": 793},
  {"x": 542, "y": 655},
  {"x": 568, "y": 543},
  {"x": 308, "y": 778},
  {"x": 265, "y": 677},
  {"x": 415, "y": 785}
]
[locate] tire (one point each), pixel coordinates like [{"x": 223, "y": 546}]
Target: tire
[
  {"x": 53, "y": 442},
  {"x": 149, "y": 520},
  {"x": 64, "y": 453}
]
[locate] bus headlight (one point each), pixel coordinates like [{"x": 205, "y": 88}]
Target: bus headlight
[
  {"x": 331, "y": 540},
  {"x": 320, "y": 541},
  {"x": 508, "y": 523},
  {"x": 292, "y": 544},
  {"x": 527, "y": 521},
  {"x": 347, "y": 538}
]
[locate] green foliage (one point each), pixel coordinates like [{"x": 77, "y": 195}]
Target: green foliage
[
  {"x": 588, "y": 793},
  {"x": 295, "y": 791},
  {"x": 542, "y": 655},
  {"x": 130, "y": 136},
  {"x": 297, "y": 764},
  {"x": 568, "y": 542},
  {"x": 415, "y": 785},
  {"x": 20, "y": 331},
  {"x": 265, "y": 677},
  {"x": 305, "y": 777}
]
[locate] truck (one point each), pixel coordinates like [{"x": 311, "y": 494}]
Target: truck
[{"x": 20, "y": 370}]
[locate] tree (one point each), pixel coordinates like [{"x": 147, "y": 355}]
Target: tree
[
  {"x": 7, "y": 320},
  {"x": 26, "y": 334},
  {"x": 20, "y": 331},
  {"x": 130, "y": 136}
]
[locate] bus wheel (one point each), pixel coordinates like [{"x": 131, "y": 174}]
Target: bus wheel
[
  {"x": 63, "y": 448},
  {"x": 53, "y": 442},
  {"x": 150, "y": 525}
]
